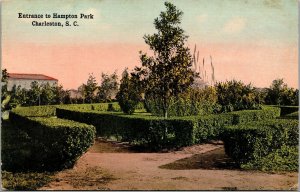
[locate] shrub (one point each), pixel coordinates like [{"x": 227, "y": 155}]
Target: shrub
[
  {"x": 280, "y": 94},
  {"x": 56, "y": 143},
  {"x": 158, "y": 132},
  {"x": 15, "y": 145},
  {"x": 129, "y": 93},
  {"x": 147, "y": 130},
  {"x": 235, "y": 95},
  {"x": 195, "y": 101},
  {"x": 283, "y": 159},
  {"x": 245, "y": 116},
  {"x": 253, "y": 144}
]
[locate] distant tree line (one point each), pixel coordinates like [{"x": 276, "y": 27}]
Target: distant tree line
[
  {"x": 91, "y": 92},
  {"x": 166, "y": 82},
  {"x": 46, "y": 94}
]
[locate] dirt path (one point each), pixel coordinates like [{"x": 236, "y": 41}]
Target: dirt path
[{"x": 113, "y": 166}]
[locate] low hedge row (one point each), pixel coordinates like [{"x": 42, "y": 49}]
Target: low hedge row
[
  {"x": 143, "y": 129},
  {"x": 158, "y": 132},
  {"x": 55, "y": 143},
  {"x": 267, "y": 112},
  {"x": 37, "y": 111},
  {"x": 93, "y": 107},
  {"x": 50, "y": 110},
  {"x": 257, "y": 145}
]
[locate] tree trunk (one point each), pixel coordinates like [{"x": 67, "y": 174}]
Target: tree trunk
[
  {"x": 165, "y": 113},
  {"x": 165, "y": 108}
]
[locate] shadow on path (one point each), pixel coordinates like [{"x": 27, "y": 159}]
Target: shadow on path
[
  {"x": 215, "y": 159},
  {"x": 110, "y": 146}
]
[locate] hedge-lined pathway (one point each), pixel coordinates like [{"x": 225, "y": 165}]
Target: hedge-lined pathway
[{"x": 114, "y": 166}]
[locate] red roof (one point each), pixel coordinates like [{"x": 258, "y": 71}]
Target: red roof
[{"x": 30, "y": 76}]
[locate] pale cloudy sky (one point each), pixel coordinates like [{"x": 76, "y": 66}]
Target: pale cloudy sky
[{"x": 250, "y": 40}]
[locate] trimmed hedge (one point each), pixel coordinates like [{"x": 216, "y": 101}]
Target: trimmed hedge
[
  {"x": 267, "y": 112},
  {"x": 157, "y": 132},
  {"x": 93, "y": 107},
  {"x": 50, "y": 110},
  {"x": 143, "y": 129},
  {"x": 36, "y": 111},
  {"x": 55, "y": 143},
  {"x": 254, "y": 145}
]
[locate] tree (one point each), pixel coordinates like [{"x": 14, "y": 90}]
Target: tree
[
  {"x": 90, "y": 89},
  {"x": 34, "y": 94},
  {"x": 109, "y": 87},
  {"x": 280, "y": 94},
  {"x": 129, "y": 94},
  {"x": 19, "y": 97},
  {"x": 47, "y": 96},
  {"x": 168, "y": 72},
  {"x": 235, "y": 95},
  {"x": 61, "y": 96},
  {"x": 82, "y": 92},
  {"x": 4, "y": 93}
]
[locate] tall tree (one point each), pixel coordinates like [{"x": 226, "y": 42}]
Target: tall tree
[
  {"x": 109, "y": 87},
  {"x": 90, "y": 89},
  {"x": 168, "y": 72},
  {"x": 34, "y": 94},
  {"x": 19, "y": 96},
  {"x": 129, "y": 94},
  {"x": 280, "y": 94}
]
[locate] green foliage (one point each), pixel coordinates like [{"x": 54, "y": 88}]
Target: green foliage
[
  {"x": 245, "y": 116},
  {"x": 168, "y": 73},
  {"x": 4, "y": 92},
  {"x": 56, "y": 143},
  {"x": 25, "y": 181},
  {"x": 18, "y": 96},
  {"x": 47, "y": 94},
  {"x": 235, "y": 95},
  {"x": 15, "y": 147},
  {"x": 109, "y": 87},
  {"x": 129, "y": 94},
  {"x": 34, "y": 94},
  {"x": 44, "y": 94},
  {"x": 280, "y": 94},
  {"x": 93, "y": 107},
  {"x": 195, "y": 101},
  {"x": 36, "y": 111},
  {"x": 61, "y": 96},
  {"x": 158, "y": 132},
  {"x": 283, "y": 159},
  {"x": 151, "y": 131},
  {"x": 254, "y": 144},
  {"x": 90, "y": 89}
]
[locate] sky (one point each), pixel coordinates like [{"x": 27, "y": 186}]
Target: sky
[{"x": 255, "y": 41}]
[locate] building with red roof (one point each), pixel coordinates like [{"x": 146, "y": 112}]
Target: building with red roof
[{"x": 25, "y": 80}]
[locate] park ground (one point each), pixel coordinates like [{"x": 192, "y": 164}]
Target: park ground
[{"x": 109, "y": 165}]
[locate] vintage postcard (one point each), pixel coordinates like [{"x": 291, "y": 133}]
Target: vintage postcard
[{"x": 149, "y": 95}]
